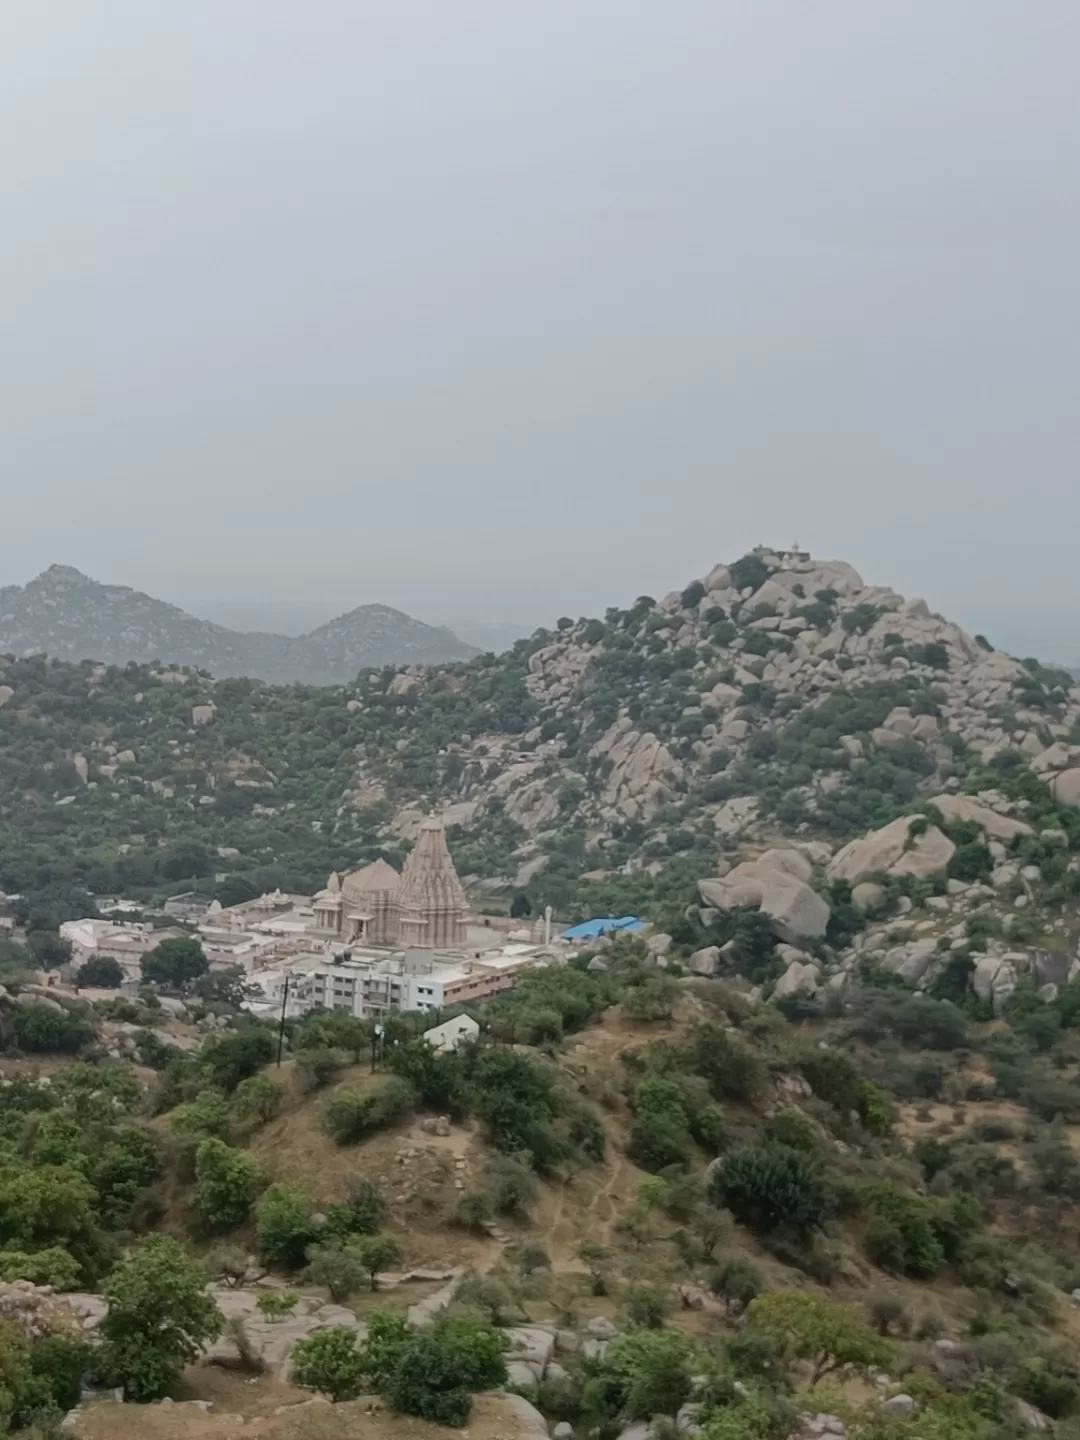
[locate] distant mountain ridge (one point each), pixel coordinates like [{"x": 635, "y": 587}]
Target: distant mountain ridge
[{"x": 72, "y": 617}]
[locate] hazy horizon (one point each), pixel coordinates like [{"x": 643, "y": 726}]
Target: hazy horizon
[{"x": 494, "y": 313}]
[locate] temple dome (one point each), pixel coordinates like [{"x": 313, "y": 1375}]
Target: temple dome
[
  {"x": 373, "y": 878},
  {"x": 429, "y": 880}
]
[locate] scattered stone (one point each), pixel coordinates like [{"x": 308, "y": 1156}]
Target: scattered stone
[
  {"x": 900, "y": 1406},
  {"x": 867, "y": 896},
  {"x": 1066, "y": 788},
  {"x": 797, "y": 979},
  {"x": 706, "y": 961},
  {"x": 1030, "y": 1417},
  {"x": 601, "y": 1328}
]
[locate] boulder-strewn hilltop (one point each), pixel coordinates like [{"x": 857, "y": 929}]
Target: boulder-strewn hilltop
[
  {"x": 68, "y": 615},
  {"x": 594, "y": 765}
]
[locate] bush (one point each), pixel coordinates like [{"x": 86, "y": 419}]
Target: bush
[
  {"x": 225, "y": 1183},
  {"x": 42, "y": 1030},
  {"x": 736, "y": 1282},
  {"x": 316, "y": 1069},
  {"x": 285, "y": 1227},
  {"x": 432, "y": 1373},
  {"x": 646, "y": 1373},
  {"x": 731, "y": 1071},
  {"x": 771, "y": 1187},
  {"x": 790, "y": 1127},
  {"x": 276, "y": 1304},
  {"x": 901, "y": 1236},
  {"x": 655, "y": 1144},
  {"x": 158, "y": 1319},
  {"x": 257, "y": 1098},
  {"x": 511, "y": 1185},
  {"x": 330, "y": 1363},
  {"x": 351, "y": 1116},
  {"x": 647, "y": 1305},
  {"x": 100, "y": 973}
]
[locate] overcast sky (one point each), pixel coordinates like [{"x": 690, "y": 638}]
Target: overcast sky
[{"x": 501, "y": 309}]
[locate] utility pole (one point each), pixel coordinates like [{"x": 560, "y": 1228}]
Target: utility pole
[{"x": 281, "y": 1026}]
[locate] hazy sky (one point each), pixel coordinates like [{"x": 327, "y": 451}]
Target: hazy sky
[{"x": 509, "y": 308}]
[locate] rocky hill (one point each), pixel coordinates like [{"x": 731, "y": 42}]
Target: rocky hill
[
  {"x": 65, "y": 614},
  {"x": 601, "y": 767}
]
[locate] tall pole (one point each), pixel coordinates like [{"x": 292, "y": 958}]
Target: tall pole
[{"x": 281, "y": 1026}]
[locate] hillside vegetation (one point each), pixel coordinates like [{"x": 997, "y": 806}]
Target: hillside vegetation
[
  {"x": 597, "y": 767},
  {"x": 661, "y": 1197}
]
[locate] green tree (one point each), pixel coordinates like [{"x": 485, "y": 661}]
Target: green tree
[
  {"x": 339, "y": 1265},
  {"x": 53, "y": 1266},
  {"x": 330, "y": 1363},
  {"x": 377, "y": 1253},
  {"x": 225, "y": 1184},
  {"x": 57, "y": 1365},
  {"x": 158, "y": 1318},
  {"x": 736, "y": 1282},
  {"x": 285, "y": 1227},
  {"x": 43, "y": 1029},
  {"x": 435, "y": 1372},
  {"x": 176, "y": 964},
  {"x": 648, "y": 1305},
  {"x": 235, "y": 1057},
  {"x": 802, "y": 1326},
  {"x": 228, "y": 1264},
  {"x": 257, "y": 1098},
  {"x": 102, "y": 972},
  {"x": 54, "y": 1206},
  {"x": 651, "y": 1371},
  {"x": 48, "y": 948},
  {"x": 769, "y": 1187}
]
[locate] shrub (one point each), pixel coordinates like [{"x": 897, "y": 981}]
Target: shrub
[
  {"x": 655, "y": 1144},
  {"x": 225, "y": 1183},
  {"x": 750, "y": 572},
  {"x": 901, "y": 1236},
  {"x": 511, "y": 1185},
  {"x": 432, "y": 1373},
  {"x": 159, "y": 1317},
  {"x": 648, "y": 1372},
  {"x": 330, "y": 1363},
  {"x": 647, "y": 1305},
  {"x": 238, "y": 1056},
  {"x": 732, "y": 1071},
  {"x": 736, "y": 1282},
  {"x": 769, "y": 1187},
  {"x": 101, "y": 973},
  {"x": 41, "y": 1029},
  {"x": 276, "y": 1304},
  {"x": 316, "y": 1069},
  {"x": 351, "y": 1116},
  {"x": 257, "y": 1098},
  {"x": 285, "y": 1227},
  {"x": 791, "y": 1127},
  {"x": 885, "y": 1310}
]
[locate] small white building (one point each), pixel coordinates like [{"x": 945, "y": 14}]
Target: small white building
[{"x": 462, "y": 1030}]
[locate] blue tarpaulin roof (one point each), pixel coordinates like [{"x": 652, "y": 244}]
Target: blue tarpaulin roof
[{"x": 592, "y": 929}]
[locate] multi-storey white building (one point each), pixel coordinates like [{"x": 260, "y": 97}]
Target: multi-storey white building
[{"x": 371, "y": 983}]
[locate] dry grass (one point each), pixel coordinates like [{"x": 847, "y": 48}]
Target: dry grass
[{"x": 268, "y": 1411}]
